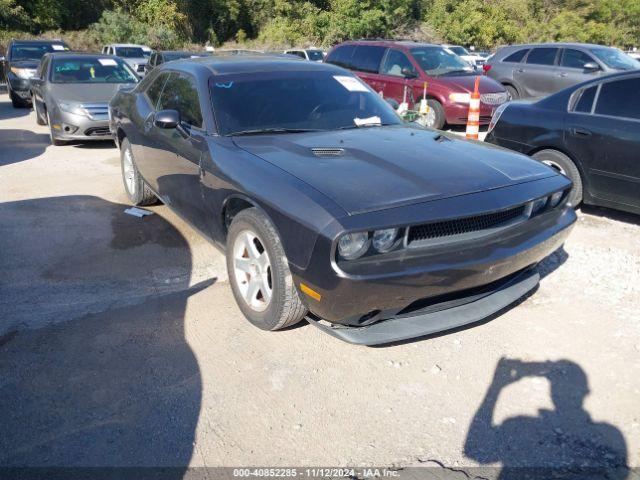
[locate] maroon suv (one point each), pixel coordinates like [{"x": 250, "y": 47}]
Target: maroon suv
[{"x": 389, "y": 66}]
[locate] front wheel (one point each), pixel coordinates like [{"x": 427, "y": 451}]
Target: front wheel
[
  {"x": 41, "y": 118},
  {"x": 564, "y": 165},
  {"x": 137, "y": 190},
  {"x": 435, "y": 116},
  {"x": 259, "y": 273},
  {"x": 513, "y": 93},
  {"x": 52, "y": 135}
]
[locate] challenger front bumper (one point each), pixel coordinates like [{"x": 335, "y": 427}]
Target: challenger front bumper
[{"x": 387, "y": 299}]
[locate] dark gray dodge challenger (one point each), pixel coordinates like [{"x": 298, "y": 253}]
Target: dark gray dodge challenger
[{"x": 328, "y": 206}]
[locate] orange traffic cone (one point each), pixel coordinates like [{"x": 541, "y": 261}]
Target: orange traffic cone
[{"x": 473, "y": 119}]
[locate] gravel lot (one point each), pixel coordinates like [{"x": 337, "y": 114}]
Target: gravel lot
[{"x": 120, "y": 345}]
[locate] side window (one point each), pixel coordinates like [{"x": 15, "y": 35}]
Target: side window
[
  {"x": 620, "y": 99},
  {"x": 585, "y": 100},
  {"x": 575, "y": 58},
  {"x": 181, "y": 94},
  {"x": 542, "y": 56},
  {"x": 367, "y": 58},
  {"x": 298, "y": 53},
  {"x": 341, "y": 56},
  {"x": 395, "y": 62},
  {"x": 516, "y": 57},
  {"x": 155, "y": 89}
]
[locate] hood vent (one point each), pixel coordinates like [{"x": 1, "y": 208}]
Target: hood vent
[{"x": 328, "y": 152}]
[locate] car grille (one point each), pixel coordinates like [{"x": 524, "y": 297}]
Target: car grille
[
  {"x": 460, "y": 226},
  {"x": 97, "y": 132},
  {"x": 494, "y": 98},
  {"x": 97, "y": 111}
]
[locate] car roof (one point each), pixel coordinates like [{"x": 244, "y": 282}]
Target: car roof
[
  {"x": 222, "y": 65},
  {"x": 124, "y": 45},
  {"x": 28, "y": 42},
  {"x": 557, "y": 44},
  {"x": 389, "y": 43}
]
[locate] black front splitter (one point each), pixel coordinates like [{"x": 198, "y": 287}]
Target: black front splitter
[{"x": 406, "y": 327}]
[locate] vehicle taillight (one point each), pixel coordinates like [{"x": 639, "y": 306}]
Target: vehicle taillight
[{"x": 486, "y": 68}]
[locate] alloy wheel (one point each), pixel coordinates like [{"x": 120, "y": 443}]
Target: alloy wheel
[
  {"x": 252, "y": 271},
  {"x": 128, "y": 172}
]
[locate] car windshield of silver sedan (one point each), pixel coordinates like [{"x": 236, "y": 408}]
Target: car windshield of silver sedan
[
  {"x": 284, "y": 102},
  {"x": 130, "y": 52},
  {"x": 91, "y": 70},
  {"x": 437, "y": 61},
  {"x": 614, "y": 58}
]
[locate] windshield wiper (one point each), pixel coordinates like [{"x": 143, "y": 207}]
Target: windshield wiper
[
  {"x": 262, "y": 131},
  {"x": 365, "y": 125},
  {"x": 455, "y": 72}
]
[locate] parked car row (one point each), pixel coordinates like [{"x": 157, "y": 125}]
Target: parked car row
[{"x": 331, "y": 208}]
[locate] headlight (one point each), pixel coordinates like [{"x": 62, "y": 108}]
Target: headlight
[
  {"x": 353, "y": 245},
  {"x": 554, "y": 200},
  {"x": 24, "y": 73},
  {"x": 538, "y": 205},
  {"x": 460, "y": 97},
  {"x": 383, "y": 240},
  {"x": 74, "y": 108},
  {"x": 496, "y": 116}
]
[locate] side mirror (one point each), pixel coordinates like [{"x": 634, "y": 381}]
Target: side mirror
[
  {"x": 591, "y": 66},
  {"x": 167, "y": 119},
  {"x": 409, "y": 73}
]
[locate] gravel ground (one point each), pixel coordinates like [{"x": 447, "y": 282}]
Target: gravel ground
[{"x": 120, "y": 345}]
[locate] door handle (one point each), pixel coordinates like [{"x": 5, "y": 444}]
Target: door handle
[
  {"x": 562, "y": 74},
  {"x": 580, "y": 132},
  {"x": 520, "y": 70}
]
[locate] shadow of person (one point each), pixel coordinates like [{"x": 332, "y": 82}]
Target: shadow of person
[
  {"x": 114, "y": 383},
  {"x": 561, "y": 443}
]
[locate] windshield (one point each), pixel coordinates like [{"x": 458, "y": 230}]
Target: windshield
[
  {"x": 129, "y": 52},
  {"x": 91, "y": 70},
  {"x": 459, "y": 50},
  {"x": 614, "y": 58},
  {"x": 146, "y": 53},
  {"x": 315, "y": 55},
  {"x": 34, "y": 51},
  {"x": 306, "y": 100},
  {"x": 436, "y": 61}
]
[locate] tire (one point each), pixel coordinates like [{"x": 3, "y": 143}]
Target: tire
[
  {"x": 511, "y": 90},
  {"x": 134, "y": 185},
  {"x": 16, "y": 101},
  {"x": 436, "y": 117},
  {"x": 563, "y": 164},
  {"x": 283, "y": 308},
  {"x": 54, "y": 141}
]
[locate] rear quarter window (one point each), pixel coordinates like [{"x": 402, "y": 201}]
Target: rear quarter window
[
  {"x": 584, "y": 100},
  {"x": 367, "y": 58},
  {"x": 342, "y": 56},
  {"x": 516, "y": 57}
]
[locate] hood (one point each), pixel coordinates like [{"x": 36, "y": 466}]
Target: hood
[
  {"x": 85, "y": 92},
  {"x": 32, "y": 64},
  {"x": 465, "y": 83},
  {"x": 393, "y": 166}
]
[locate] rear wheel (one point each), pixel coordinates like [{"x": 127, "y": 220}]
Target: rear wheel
[
  {"x": 511, "y": 90},
  {"x": 259, "y": 273},
  {"x": 134, "y": 185},
  {"x": 564, "y": 165}
]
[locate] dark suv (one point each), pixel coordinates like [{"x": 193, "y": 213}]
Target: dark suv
[
  {"x": 390, "y": 66},
  {"x": 21, "y": 63}
]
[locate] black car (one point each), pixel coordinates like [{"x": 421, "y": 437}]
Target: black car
[
  {"x": 589, "y": 132},
  {"x": 21, "y": 63},
  {"x": 328, "y": 206},
  {"x": 159, "y": 57}
]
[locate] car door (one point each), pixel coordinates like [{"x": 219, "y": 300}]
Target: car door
[
  {"x": 571, "y": 68},
  {"x": 607, "y": 140},
  {"x": 180, "y": 150},
  {"x": 394, "y": 81},
  {"x": 536, "y": 75}
]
